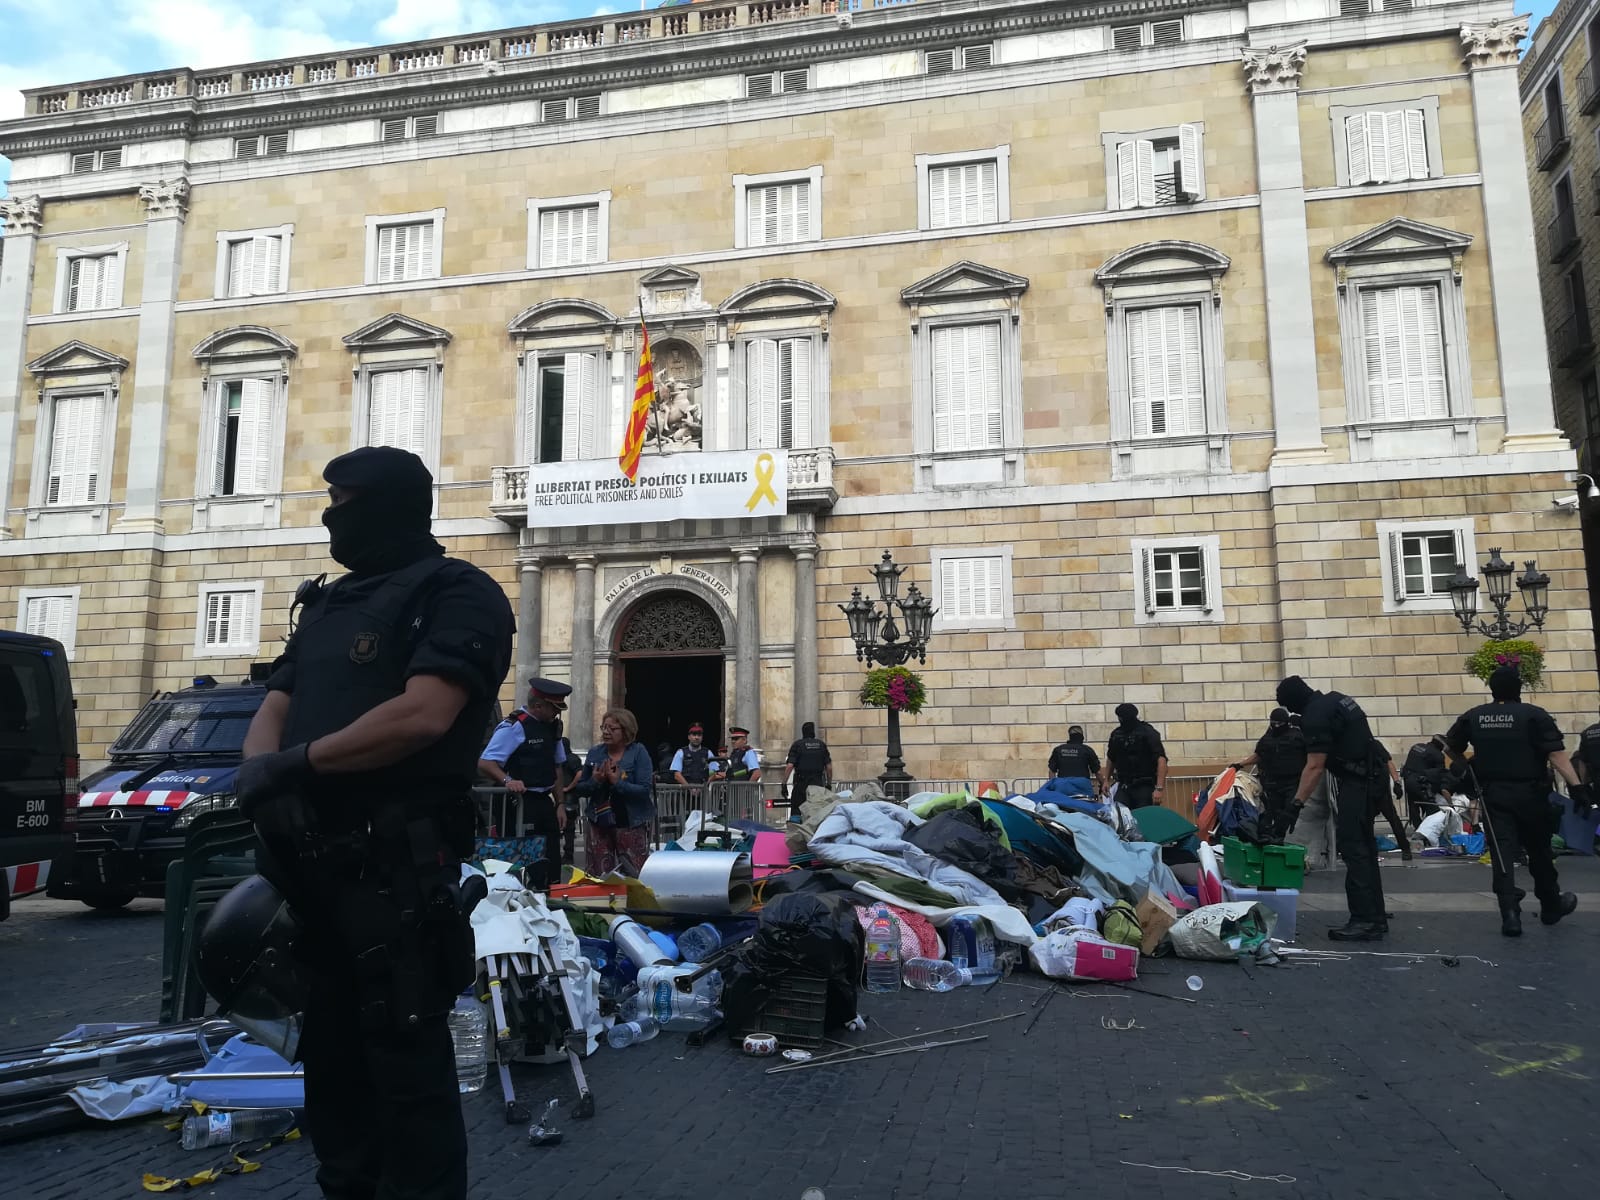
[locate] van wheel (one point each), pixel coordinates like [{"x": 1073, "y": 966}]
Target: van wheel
[{"x": 107, "y": 901}]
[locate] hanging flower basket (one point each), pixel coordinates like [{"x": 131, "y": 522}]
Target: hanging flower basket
[
  {"x": 894, "y": 687},
  {"x": 1526, "y": 656}
]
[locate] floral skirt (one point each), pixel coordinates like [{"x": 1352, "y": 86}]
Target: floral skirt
[{"x": 618, "y": 849}]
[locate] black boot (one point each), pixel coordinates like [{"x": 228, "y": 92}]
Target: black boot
[
  {"x": 1510, "y": 919},
  {"x": 1550, "y": 913},
  {"x": 1359, "y": 931}
]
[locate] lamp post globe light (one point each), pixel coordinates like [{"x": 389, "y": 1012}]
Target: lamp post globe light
[
  {"x": 1533, "y": 583},
  {"x": 890, "y": 636}
]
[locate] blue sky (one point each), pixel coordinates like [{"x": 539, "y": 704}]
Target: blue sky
[{"x": 49, "y": 41}]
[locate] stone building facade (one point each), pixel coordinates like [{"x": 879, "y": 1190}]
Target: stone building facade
[{"x": 1171, "y": 345}]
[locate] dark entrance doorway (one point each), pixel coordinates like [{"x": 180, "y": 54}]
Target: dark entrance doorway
[{"x": 669, "y": 670}]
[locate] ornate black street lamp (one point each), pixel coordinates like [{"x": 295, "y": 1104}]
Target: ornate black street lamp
[
  {"x": 879, "y": 639},
  {"x": 1534, "y": 585}
]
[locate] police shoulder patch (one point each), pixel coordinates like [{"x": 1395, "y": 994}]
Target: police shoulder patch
[{"x": 365, "y": 648}]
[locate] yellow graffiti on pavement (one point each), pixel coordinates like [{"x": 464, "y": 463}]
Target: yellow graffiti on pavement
[
  {"x": 1250, "y": 1092},
  {"x": 1533, "y": 1056}
]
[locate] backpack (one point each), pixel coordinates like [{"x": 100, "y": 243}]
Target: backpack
[
  {"x": 1132, "y": 753},
  {"x": 1121, "y": 925}
]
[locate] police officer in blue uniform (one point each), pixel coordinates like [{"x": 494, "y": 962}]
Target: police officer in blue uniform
[
  {"x": 358, "y": 773},
  {"x": 1515, "y": 745},
  {"x": 1339, "y": 743},
  {"x": 525, "y": 756},
  {"x": 693, "y": 765}
]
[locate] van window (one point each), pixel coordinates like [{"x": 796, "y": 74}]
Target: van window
[
  {"x": 28, "y": 718},
  {"x": 191, "y": 725}
]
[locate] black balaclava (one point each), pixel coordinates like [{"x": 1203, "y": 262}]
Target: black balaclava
[
  {"x": 1075, "y": 733},
  {"x": 387, "y": 520},
  {"x": 1279, "y": 719},
  {"x": 1128, "y": 714},
  {"x": 1294, "y": 693},
  {"x": 1506, "y": 683},
  {"x": 809, "y": 729}
]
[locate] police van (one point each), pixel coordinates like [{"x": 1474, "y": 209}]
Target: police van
[
  {"x": 176, "y": 760},
  {"x": 38, "y": 761}
]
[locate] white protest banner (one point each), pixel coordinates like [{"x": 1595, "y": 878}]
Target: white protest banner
[{"x": 676, "y": 487}]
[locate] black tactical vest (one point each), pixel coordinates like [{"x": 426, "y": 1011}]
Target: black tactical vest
[
  {"x": 1589, "y": 749},
  {"x": 811, "y": 758},
  {"x": 1132, "y": 752},
  {"x": 1071, "y": 760},
  {"x": 696, "y": 764},
  {"x": 1282, "y": 755},
  {"x": 352, "y": 646},
  {"x": 534, "y": 762}
]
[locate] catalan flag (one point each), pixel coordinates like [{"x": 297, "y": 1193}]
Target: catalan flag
[{"x": 644, "y": 395}]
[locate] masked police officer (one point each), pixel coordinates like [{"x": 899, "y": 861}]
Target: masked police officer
[
  {"x": 1514, "y": 746},
  {"x": 525, "y": 756},
  {"x": 1073, "y": 759},
  {"x": 1587, "y": 757},
  {"x": 1339, "y": 743},
  {"x": 693, "y": 765},
  {"x": 358, "y": 773},
  {"x": 1280, "y": 757},
  {"x": 1136, "y": 760},
  {"x": 809, "y": 764}
]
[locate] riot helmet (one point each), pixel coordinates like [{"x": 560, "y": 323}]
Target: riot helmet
[{"x": 247, "y": 963}]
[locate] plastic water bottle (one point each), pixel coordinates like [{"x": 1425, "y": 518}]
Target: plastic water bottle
[
  {"x": 700, "y": 943},
  {"x": 226, "y": 1128},
  {"x": 883, "y": 951},
  {"x": 627, "y": 1033},
  {"x": 469, "y": 1030},
  {"x": 935, "y": 975}
]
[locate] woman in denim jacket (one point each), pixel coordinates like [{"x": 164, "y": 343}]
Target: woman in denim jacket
[{"x": 616, "y": 782}]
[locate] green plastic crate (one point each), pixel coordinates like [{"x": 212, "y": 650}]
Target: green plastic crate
[
  {"x": 1283, "y": 866},
  {"x": 1242, "y": 862}
]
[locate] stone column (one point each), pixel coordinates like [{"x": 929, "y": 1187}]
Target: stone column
[
  {"x": 21, "y": 217},
  {"x": 805, "y": 635},
  {"x": 1273, "y": 76},
  {"x": 747, "y": 648},
  {"x": 166, "y": 205},
  {"x": 582, "y": 704},
  {"x": 1490, "y": 52},
  {"x": 530, "y": 621}
]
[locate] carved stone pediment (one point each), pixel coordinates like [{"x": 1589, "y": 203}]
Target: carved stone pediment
[
  {"x": 242, "y": 342},
  {"x": 396, "y": 329},
  {"x": 565, "y": 314},
  {"x": 77, "y": 358},
  {"x": 965, "y": 281}
]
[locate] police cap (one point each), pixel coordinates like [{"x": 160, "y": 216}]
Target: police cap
[
  {"x": 549, "y": 689},
  {"x": 738, "y": 729}
]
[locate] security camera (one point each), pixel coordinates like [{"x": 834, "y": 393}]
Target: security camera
[{"x": 1568, "y": 503}]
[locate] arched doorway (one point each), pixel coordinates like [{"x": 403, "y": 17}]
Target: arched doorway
[{"x": 669, "y": 672}]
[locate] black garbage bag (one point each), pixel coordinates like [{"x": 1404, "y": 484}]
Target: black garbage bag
[
  {"x": 826, "y": 879},
  {"x": 958, "y": 836},
  {"x": 805, "y": 933}
]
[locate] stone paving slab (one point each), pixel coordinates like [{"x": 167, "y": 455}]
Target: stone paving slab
[{"x": 1371, "y": 1076}]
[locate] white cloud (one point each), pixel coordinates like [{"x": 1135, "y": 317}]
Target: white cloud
[
  {"x": 206, "y": 33},
  {"x": 41, "y": 72},
  {"x": 413, "y": 19}
]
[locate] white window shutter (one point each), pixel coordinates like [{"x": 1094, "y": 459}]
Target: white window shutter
[
  {"x": 943, "y": 349},
  {"x": 1127, "y": 176},
  {"x": 1397, "y": 137},
  {"x": 1193, "y": 378},
  {"x": 1416, "y": 143},
  {"x": 1145, "y": 154},
  {"x": 948, "y": 604},
  {"x": 988, "y": 193},
  {"x": 1206, "y": 582},
  {"x": 263, "y": 266},
  {"x": 1189, "y": 161},
  {"x": 1428, "y": 395},
  {"x": 1355, "y": 139},
  {"x": 253, "y": 450},
  {"x": 421, "y": 260},
  {"x": 762, "y": 393},
  {"x": 241, "y": 266},
  {"x": 219, "y": 462},
  {"x": 939, "y": 197},
  {"x": 1148, "y": 573},
  {"x": 580, "y": 407},
  {"x": 987, "y": 428},
  {"x": 553, "y": 237},
  {"x": 798, "y": 436},
  {"x": 590, "y": 233},
  {"x": 530, "y": 409},
  {"x": 75, "y": 450},
  {"x": 49, "y": 616},
  {"x": 1137, "y": 332},
  {"x": 801, "y": 214},
  {"x": 1378, "y": 159},
  {"x": 414, "y": 421},
  {"x": 382, "y": 389},
  {"x": 388, "y": 239},
  {"x": 1397, "y": 567},
  {"x": 589, "y": 401}
]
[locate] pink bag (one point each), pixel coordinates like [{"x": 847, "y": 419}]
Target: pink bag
[
  {"x": 918, "y": 937},
  {"x": 1073, "y": 952}
]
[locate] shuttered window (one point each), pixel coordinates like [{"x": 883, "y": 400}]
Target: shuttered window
[
  {"x": 568, "y": 236},
  {"x": 966, "y": 387},
  {"x": 1422, "y": 562},
  {"x": 52, "y": 616},
  {"x": 778, "y": 213},
  {"x": 972, "y": 589},
  {"x": 778, "y": 393},
  {"x": 229, "y": 620},
  {"x": 963, "y": 194},
  {"x": 406, "y": 252},
  {"x": 1166, "y": 371},
  {"x": 1403, "y": 342},
  {"x": 1160, "y": 171},
  {"x": 1387, "y": 147},
  {"x": 398, "y": 409},
  {"x": 76, "y": 426},
  {"x": 255, "y": 265},
  {"x": 93, "y": 282},
  {"x": 561, "y": 413},
  {"x": 244, "y": 443},
  {"x": 1175, "y": 578}
]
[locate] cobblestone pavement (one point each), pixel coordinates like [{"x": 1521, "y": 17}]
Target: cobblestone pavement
[{"x": 1373, "y": 1077}]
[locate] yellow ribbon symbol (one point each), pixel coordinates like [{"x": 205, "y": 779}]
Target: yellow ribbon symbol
[{"x": 766, "y": 469}]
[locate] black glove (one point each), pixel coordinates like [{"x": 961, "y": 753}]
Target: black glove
[
  {"x": 1294, "y": 817},
  {"x": 1582, "y": 798},
  {"x": 1235, "y": 766},
  {"x": 267, "y": 776}
]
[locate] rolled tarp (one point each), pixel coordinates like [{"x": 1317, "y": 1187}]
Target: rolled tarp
[{"x": 712, "y": 882}]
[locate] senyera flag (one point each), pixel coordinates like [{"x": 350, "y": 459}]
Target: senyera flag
[{"x": 644, "y": 395}]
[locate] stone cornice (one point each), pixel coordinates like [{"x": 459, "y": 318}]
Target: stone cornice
[{"x": 629, "y": 64}]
